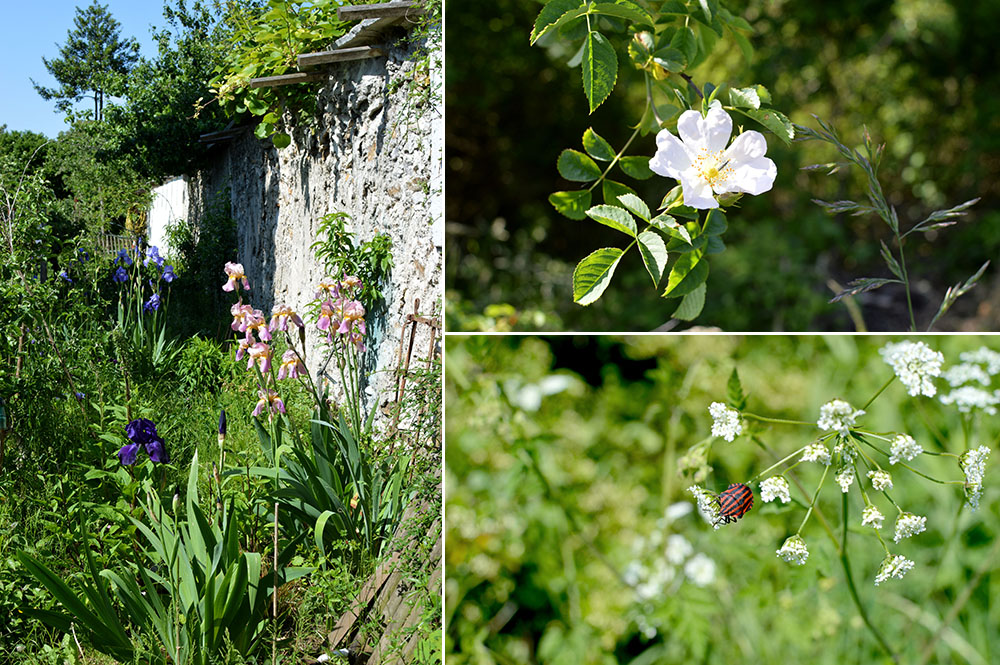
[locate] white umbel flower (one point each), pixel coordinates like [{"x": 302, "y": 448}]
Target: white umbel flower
[
  {"x": 816, "y": 452},
  {"x": 881, "y": 480},
  {"x": 908, "y": 524},
  {"x": 700, "y": 569},
  {"x": 894, "y": 566},
  {"x": 678, "y": 549},
  {"x": 872, "y": 516},
  {"x": 708, "y": 505},
  {"x": 968, "y": 398},
  {"x": 774, "y": 488},
  {"x": 848, "y": 453},
  {"x": 700, "y": 160},
  {"x": 956, "y": 375},
  {"x": 838, "y": 415},
  {"x": 915, "y": 364},
  {"x": 973, "y": 463},
  {"x": 845, "y": 478},
  {"x": 725, "y": 421},
  {"x": 904, "y": 447},
  {"x": 794, "y": 550},
  {"x": 983, "y": 356}
]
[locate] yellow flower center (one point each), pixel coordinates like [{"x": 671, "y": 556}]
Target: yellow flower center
[{"x": 710, "y": 166}]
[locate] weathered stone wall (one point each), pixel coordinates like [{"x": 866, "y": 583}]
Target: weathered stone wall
[{"x": 377, "y": 155}]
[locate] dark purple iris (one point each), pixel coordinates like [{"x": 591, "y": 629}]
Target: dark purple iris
[
  {"x": 142, "y": 431},
  {"x": 120, "y": 275},
  {"x": 152, "y": 304},
  {"x": 168, "y": 273},
  {"x": 123, "y": 257},
  {"x": 222, "y": 422},
  {"x": 83, "y": 255}
]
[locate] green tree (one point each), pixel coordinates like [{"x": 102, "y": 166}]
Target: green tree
[{"x": 93, "y": 62}]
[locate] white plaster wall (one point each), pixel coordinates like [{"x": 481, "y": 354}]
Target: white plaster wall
[{"x": 170, "y": 203}]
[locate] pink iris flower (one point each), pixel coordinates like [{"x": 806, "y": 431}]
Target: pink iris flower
[
  {"x": 354, "y": 312},
  {"x": 261, "y": 354},
  {"x": 328, "y": 287},
  {"x": 240, "y": 352},
  {"x": 280, "y": 316},
  {"x": 291, "y": 366},
  {"x": 241, "y": 315},
  {"x": 256, "y": 321},
  {"x": 327, "y": 312},
  {"x": 268, "y": 400},
  {"x": 236, "y": 277}
]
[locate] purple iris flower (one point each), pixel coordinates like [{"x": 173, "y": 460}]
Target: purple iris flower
[
  {"x": 80, "y": 396},
  {"x": 153, "y": 254},
  {"x": 222, "y": 422},
  {"x": 168, "y": 273},
  {"x": 157, "y": 451},
  {"x": 141, "y": 430},
  {"x": 65, "y": 276},
  {"x": 120, "y": 275},
  {"x": 123, "y": 257},
  {"x": 83, "y": 255},
  {"x": 128, "y": 454},
  {"x": 152, "y": 304}
]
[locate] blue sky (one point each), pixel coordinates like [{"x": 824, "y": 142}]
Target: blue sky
[{"x": 31, "y": 30}]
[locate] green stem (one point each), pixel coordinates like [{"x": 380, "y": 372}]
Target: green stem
[
  {"x": 777, "y": 464},
  {"x": 906, "y": 281},
  {"x": 880, "y": 391},
  {"x": 826, "y": 469},
  {"x": 780, "y": 421},
  {"x": 845, "y": 560}
]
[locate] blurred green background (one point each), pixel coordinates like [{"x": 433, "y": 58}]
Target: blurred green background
[
  {"x": 922, "y": 74},
  {"x": 534, "y": 573}
]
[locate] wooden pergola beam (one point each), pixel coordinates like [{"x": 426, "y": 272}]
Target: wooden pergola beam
[
  {"x": 395, "y": 9},
  {"x": 286, "y": 79},
  {"x": 338, "y": 55}
]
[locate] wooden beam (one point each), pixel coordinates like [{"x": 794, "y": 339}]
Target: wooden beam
[
  {"x": 338, "y": 55},
  {"x": 395, "y": 9},
  {"x": 286, "y": 79}
]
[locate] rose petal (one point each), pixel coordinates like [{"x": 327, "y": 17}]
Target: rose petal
[
  {"x": 671, "y": 157},
  {"x": 697, "y": 191}
]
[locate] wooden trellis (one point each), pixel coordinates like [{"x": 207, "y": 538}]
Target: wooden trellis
[{"x": 360, "y": 43}]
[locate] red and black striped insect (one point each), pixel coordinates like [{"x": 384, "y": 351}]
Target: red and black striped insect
[{"x": 734, "y": 503}]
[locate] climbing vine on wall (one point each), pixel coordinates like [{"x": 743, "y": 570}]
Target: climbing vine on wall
[{"x": 265, "y": 41}]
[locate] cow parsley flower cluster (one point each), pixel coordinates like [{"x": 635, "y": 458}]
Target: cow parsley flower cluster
[
  {"x": 816, "y": 452},
  {"x": 915, "y": 364},
  {"x": 904, "y": 447},
  {"x": 726, "y": 422},
  {"x": 775, "y": 488},
  {"x": 908, "y": 524},
  {"x": 893, "y": 566},
  {"x": 973, "y": 464},
  {"x": 838, "y": 415},
  {"x": 881, "y": 480},
  {"x": 794, "y": 550},
  {"x": 872, "y": 516}
]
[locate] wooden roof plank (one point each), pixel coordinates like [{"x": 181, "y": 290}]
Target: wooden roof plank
[
  {"x": 338, "y": 55},
  {"x": 395, "y": 9},
  {"x": 286, "y": 79}
]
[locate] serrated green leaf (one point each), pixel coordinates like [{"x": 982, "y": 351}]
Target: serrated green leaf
[
  {"x": 671, "y": 227},
  {"x": 593, "y": 274},
  {"x": 775, "y": 121},
  {"x": 596, "y": 146},
  {"x": 744, "y": 97},
  {"x": 685, "y": 41},
  {"x": 571, "y": 204},
  {"x": 554, "y": 14},
  {"x": 623, "y": 9},
  {"x": 734, "y": 21},
  {"x": 692, "y": 304},
  {"x": 670, "y": 59},
  {"x": 763, "y": 93},
  {"x": 715, "y": 223},
  {"x": 612, "y": 190},
  {"x": 689, "y": 272},
  {"x": 673, "y": 7},
  {"x": 715, "y": 245},
  {"x": 576, "y": 166},
  {"x": 636, "y": 206},
  {"x": 600, "y": 69},
  {"x": 705, "y": 8},
  {"x": 734, "y": 392},
  {"x": 636, "y": 166},
  {"x": 673, "y": 198},
  {"x": 617, "y": 218},
  {"x": 744, "y": 44},
  {"x": 654, "y": 254}
]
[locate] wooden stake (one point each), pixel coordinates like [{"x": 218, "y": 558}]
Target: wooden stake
[
  {"x": 394, "y": 9},
  {"x": 286, "y": 79},
  {"x": 339, "y": 55}
]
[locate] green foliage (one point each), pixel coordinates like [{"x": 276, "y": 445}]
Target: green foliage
[
  {"x": 342, "y": 256},
  {"x": 94, "y": 60},
  {"x": 199, "y": 365},
  {"x": 265, "y": 41}
]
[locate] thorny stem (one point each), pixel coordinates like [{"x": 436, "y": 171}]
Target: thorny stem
[
  {"x": 845, "y": 560},
  {"x": 880, "y": 391},
  {"x": 693, "y": 86}
]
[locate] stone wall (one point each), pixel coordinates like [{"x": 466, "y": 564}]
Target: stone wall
[{"x": 376, "y": 154}]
